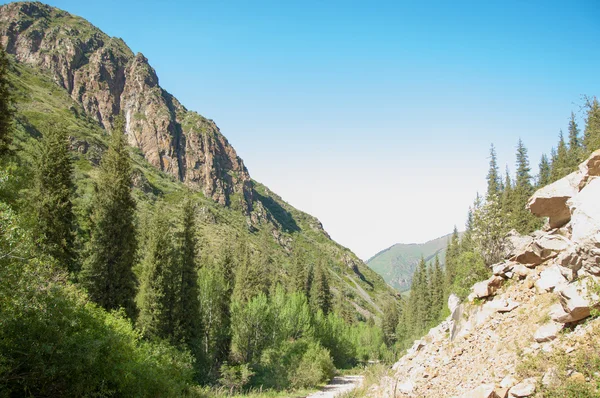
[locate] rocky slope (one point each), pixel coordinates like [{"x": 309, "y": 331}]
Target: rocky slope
[
  {"x": 67, "y": 73},
  {"x": 526, "y": 330},
  {"x": 103, "y": 75},
  {"x": 397, "y": 263}
]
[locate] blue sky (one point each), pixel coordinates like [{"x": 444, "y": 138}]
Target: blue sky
[{"x": 376, "y": 117}]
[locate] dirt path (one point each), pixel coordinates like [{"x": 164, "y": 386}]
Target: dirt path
[{"x": 337, "y": 386}]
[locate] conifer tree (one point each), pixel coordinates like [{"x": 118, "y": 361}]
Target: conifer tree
[
  {"x": 574, "y": 153},
  {"x": 6, "y": 110},
  {"x": 422, "y": 295},
  {"x": 188, "y": 316},
  {"x": 544, "y": 177},
  {"x": 560, "y": 162},
  {"x": 591, "y": 135},
  {"x": 522, "y": 220},
  {"x": 507, "y": 195},
  {"x": 249, "y": 277},
  {"x": 389, "y": 322},
  {"x": 107, "y": 271},
  {"x": 159, "y": 293},
  {"x": 452, "y": 252},
  {"x": 298, "y": 274},
  {"x": 320, "y": 294},
  {"x": 437, "y": 288},
  {"x": 493, "y": 178},
  {"x": 53, "y": 187}
]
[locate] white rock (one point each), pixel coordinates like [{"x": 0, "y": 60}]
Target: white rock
[
  {"x": 551, "y": 200},
  {"x": 577, "y": 299},
  {"x": 488, "y": 287},
  {"x": 525, "y": 388},
  {"x": 508, "y": 382},
  {"x": 558, "y": 314},
  {"x": 453, "y": 302},
  {"x": 547, "y": 332},
  {"x": 521, "y": 270},
  {"x": 550, "y": 378},
  {"x": 550, "y": 278},
  {"x": 502, "y": 305},
  {"x": 585, "y": 211},
  {"x": 406, "y": 387},
  {"x": 483, "y": 391}
]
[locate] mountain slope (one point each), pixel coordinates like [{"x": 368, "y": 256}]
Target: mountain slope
[
  {"x": 397, "y": 263},
  {"x": 67, "y": 73}
]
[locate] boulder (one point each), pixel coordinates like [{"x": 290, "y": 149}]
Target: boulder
[
  {"x": 551, "y": 200},
  {"x": 502, "y": 268},
  {"x": 589, "y": 168},
  {"x": 550, "y": 278},
  {"x": 558, "y": 314},
  {"x": 483, "y": 391},
  {"x": 585, "y": 255},
  {"x": 488, "y": 287},
  {"x": 453, "y": 302},
  {"x": 577, "y": 300},
  {"x": 516, "y": 243},
  {"x": 520, "y": 270},
  {"x": 502, "y": 305},
  {"x": 508, "y": 382},
  {"x": 585, "y": 211},
  {"x": 547, "y": 332},
  {"x": 525, "y": 388},
  {"x": 553, "y": 242}
]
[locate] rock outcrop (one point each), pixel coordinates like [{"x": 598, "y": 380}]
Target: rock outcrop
[
  {"x": 107, "y": 79},
  {"x": 555, "y": 281}
]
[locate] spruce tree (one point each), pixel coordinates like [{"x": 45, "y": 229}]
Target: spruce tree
[
  {"x": 250, "y": 279},
  {"x": 53, "y": 188},
  {"x": 493, "y": 178},
  {"x": 522, "y": 220},
  {"x": 560, "y": 162},
  {"x": 452, "y": 252},
  {"x": 574, "y": 155},
  {"x": 188, "y": 315},
  {"x": 298, "y": 274},
  {"x": 320, "y": 294},
  {"x": 107, "y": 271},
  {"x": 591, "y": 135},
  {"x": 544, "y": 177},
  {"x": 506, "y": 198},
  {"x": 6, "y": 109},
  {"x": 159, "y": 293},
  {"x": 389, "y": 322},
  {"x": 437, "y": 292}
]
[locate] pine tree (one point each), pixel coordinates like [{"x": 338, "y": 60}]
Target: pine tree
[
  {"x": 522, "y": 220},
  {"x": 188, "y": 316},
  {"x": 389, "y": 322},
  {"x": 507, "y": 197},
  {"x": 6, "y": 109},
  {"x": 107, "y": 271},
  {"x": 437, "y": 289},
  {"x": 249, "y": 277},
  {"x": 423, "y": 297},
  {"x": 591, "y": 135},
  {"x": 320, "y": 294},
  {"x": 452, "y": 252},
  {"x": 159, "y": 293},
  {"x": 544, "y": 177},
  {"x": 560, "y": 162},
  {"x": 574, "y": 153},
  {"x": 493, "y": 178},
  {"x": 298, "y": 274},
  {"x": 53, "y": 187}
]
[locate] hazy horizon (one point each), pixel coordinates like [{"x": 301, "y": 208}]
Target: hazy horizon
[{"x": 376, "y": 119}]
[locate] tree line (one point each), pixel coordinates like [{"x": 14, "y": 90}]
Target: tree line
[{"x": 490, "y": 218}]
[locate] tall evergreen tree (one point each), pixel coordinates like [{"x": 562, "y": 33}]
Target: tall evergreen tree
[
  {"x": 544, "y": 177},
  {"x": 158, "y": 296},
  {"x": 560, "y": 162},
  {"x": 437, "y": 288},
  {"x": 320, "y": 294},
  {"x": 107, "y": 271},
  {"x": 249, "y": 277},
  {"x": 591, "y": 135},
  {"x": 389, "y": 322},
  {"x": 522, "y": 220},
  {"x": 188, "y": 316},
  {"x": 574, "y": 155},
  {"x": 493, "y": 177},
  {"x": 53, "y": 187},
  {"x": 507, "y": 197},
  {"x": 452, "y": 252}
]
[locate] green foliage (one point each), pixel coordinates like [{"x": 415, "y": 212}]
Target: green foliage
[
  {"x": 389, "y": 323},
  {"x": 560, "y": 160},
  {"x": 471, "y": 269},
  {"x": 320, "y": 294},
  {"x": 575, "y": 152},
  {"x": 544, "y": 177},
  {"x": 251, "y": 328},
  {"x": 51, "y": 199},
  {"x": 493, "y": 177},
  {"x": 111, "y": 252},
  {"x": 6, "y": 106},
  {"x": 235, "y": 377},
  {"x": 489, "y": 229},
  {"x": 591, "y": 135}
]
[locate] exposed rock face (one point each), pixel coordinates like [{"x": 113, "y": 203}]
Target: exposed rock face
[{"x": 106, "y": 78}]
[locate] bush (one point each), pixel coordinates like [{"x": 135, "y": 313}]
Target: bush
[{"x": 315, "y": 367}]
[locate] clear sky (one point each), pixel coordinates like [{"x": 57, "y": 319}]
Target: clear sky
[{"x": 376, "y": 117}]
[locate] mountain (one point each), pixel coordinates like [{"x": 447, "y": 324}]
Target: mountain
[
  {"x": 397, "y": 263},
  {"x": 68, "y": 73}
]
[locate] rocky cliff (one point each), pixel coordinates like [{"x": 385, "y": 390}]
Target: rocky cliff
[
  {"x": 527, "y": 330},
  {"x": 103, "y": 75}
]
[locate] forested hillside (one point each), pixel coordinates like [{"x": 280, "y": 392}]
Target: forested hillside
[
  {"x": 398, "y": 263},
  {"x": 137, "y": 256},
  {"x": 495, "y": 221}
]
